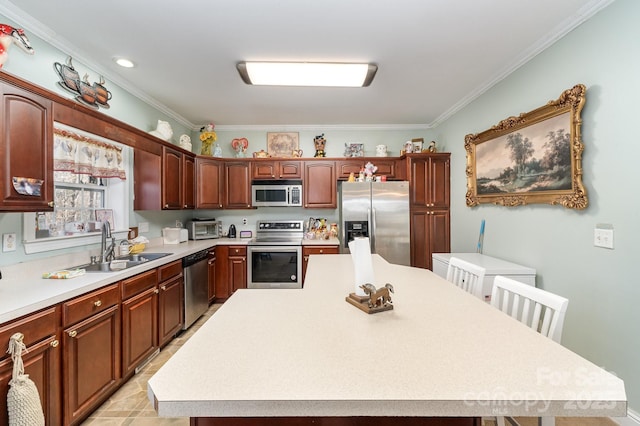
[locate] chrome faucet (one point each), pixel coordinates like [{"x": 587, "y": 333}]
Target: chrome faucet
[{"x": 106, "y": 249}]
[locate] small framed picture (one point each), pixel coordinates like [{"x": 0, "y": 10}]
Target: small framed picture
[
  {"x": 417, "y": 145},
  {"x": 282, "y": 144},
  {"x": 105, "y": 215}
]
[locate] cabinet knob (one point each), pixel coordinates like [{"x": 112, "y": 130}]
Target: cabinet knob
[
  {"x": 321, "y": 251},
  {"x": 73, "y": 333},
  {"x": 156, "y": 291},
  {"x": 184, "y": 207},
  {"x": 51, "y": 204},
  {"x": 54, "y": 343},
  {"x": 306, "y": 258},
  {"x": 97, "y": 303},
  {"x": 220, "y": 206},
  {"x": 164, "y": 288},
  {"x": 166, "y": 206}
]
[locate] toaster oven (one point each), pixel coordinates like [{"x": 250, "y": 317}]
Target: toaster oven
[{"x": 204, "y": 229}]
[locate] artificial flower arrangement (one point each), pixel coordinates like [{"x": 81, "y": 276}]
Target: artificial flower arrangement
[{"x": 207, "y": 137}]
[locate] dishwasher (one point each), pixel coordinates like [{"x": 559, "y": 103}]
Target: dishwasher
[{"x": 196, "y": 287}]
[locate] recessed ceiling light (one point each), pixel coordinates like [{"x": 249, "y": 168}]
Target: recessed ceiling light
[
  {"x": 123, "y": 62},
  {"x": 307, "y": 74}
]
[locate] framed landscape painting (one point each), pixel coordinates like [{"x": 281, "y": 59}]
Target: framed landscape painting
[{"x": 533, "y": 158}]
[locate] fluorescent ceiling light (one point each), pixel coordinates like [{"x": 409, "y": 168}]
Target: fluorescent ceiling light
[{"x": 307, "y": 74}]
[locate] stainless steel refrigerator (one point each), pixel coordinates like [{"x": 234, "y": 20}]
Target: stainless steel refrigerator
[{"x": 380, "y": 211}]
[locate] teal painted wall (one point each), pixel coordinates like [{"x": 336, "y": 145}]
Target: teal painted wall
[{"x": 601, "y": 284}]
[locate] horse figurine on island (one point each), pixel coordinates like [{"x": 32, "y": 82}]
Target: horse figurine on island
[
  {"x": 9, "y": 35},
  {"x": 378, "y": 297}
]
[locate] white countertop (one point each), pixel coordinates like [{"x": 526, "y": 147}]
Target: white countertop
[
  {"x": 439, "y": 352},
  {"x": 23, "y": 290}
]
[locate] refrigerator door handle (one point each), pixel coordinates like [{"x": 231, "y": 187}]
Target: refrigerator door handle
[{"x": 372, "y": 227}]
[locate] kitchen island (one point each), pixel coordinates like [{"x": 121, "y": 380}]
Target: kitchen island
[{"x": 300, "y": 355}]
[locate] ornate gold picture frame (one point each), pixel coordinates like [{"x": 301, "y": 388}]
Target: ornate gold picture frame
[{"x": 535, "y": 158}]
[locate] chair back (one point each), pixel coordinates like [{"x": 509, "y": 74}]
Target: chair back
[
  {"x": 537, "y": 308},
  {"x": 465, "y": 275}
]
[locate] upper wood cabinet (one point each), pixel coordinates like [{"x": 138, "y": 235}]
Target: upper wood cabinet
[
  {"x": 388, "y": 167},
  {"x": 430, "y": 180},
  {"x": 320, "y": 185},
  {"x": 188, "y": 182},
  {"x": 171, "y": 179},
  {"x": 147, "y": 180},
  {"x": 270, "y": 169},
  {"x": 26, "y": 150},
  {"x": 237, "y": 179},
  {"x": 209, "y": 187}
]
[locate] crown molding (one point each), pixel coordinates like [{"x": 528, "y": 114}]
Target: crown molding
[{"x": 319, "y": 127}]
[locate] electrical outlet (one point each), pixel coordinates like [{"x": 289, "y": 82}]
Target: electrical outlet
[
  {"x": 143, "y": 227},
  {"x": 178, "y": 224},
  {"x": 244, "y": 220},
  {"x": 603, "y": 236},
  {"x": 9, "y": 242}
]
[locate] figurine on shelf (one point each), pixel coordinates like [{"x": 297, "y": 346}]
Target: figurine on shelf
[
  {"x": 162, "y": 131},
  {"x": 378, "y": 297},
  {"x": 240, "y": 146},
  {"x": 208, "y": 137},
  {"x": 432, "y": 146},
  {"x": 319, "y": 143},
  {"x": 185, "y": 142},
  {"x": 10, "y": 35}
]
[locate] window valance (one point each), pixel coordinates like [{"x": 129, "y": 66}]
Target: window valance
[{"x": 83, "y": 155}]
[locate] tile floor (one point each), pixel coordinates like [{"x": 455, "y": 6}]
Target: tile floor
[{"x": 130, "y": 405}]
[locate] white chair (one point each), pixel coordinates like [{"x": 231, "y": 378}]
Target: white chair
[
  {"x": 537, "y": 308},
  {"x": 465, "y": 275}
]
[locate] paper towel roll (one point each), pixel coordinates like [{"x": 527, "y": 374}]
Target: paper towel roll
[{"x": 363, "y": 266}]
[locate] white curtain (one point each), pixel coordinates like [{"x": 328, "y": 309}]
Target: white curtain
[{"x": 83, "y": 155}]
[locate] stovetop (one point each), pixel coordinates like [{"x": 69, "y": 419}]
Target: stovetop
[{"x": 278, "y": 232}]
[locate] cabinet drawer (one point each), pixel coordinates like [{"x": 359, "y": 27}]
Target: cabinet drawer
[
  {"x": 35, "y": 327},
  {"x": 139, "y": 283},
  {"x": 91, "y": 303},
  {"x": 237, "y": 250},
  {"x": 169, "y": 270},
  {"x": 306, "y": 251}
]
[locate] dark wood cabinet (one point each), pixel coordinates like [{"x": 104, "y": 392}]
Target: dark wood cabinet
[
  {"x": 170, "y": 301},
  {"x": 41, "y": 361},
  {"x": 139, "y": 320},
  {"x": 269, "y": 169},
  {"x": 237, "y": 180},
  {"x": 212, "y": 265},
  {"x": 147, "y": 180},
  {"x": 231, "y": 270},
  {"x": 309, "y": 250},
  {"x": 188, "y": 182},
  {"x": 91, "y": 367},
  {"x": 320, "y": 185},
  {"x": 209, "y": 183},
  {"x": 429, "y": 206},
  {"x": 171, "y": 179},
  {"x": 388, "y": 167},
  {"x": 26, "y": 150}
]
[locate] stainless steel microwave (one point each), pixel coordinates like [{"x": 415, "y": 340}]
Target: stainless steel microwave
[{"x": 276, "y": 193}]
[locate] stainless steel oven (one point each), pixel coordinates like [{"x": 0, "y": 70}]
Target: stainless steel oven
[
  {"x": 274, "y": 266},
  {"x": 275, "y": 255}
]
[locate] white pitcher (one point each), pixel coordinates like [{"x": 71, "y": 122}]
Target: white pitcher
[{"x": 381, "y": 150}]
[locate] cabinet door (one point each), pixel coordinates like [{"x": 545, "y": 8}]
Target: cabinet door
[
  {"x": 430, "y": 233},
  {"x": 238, "y": 185},
  {"x": 139, "y": 329},
  {"x": 440, "y": 175},
  {"x": 430, "y": 181},
  {"x": 170, "y": 309},
  {"x": 171, "y": 179},
  {"x": 264, "y": 169},
  {"x": 26, "y": 150},
  {"x": 237, "y": 268},
  {"x": 212, "y": 274},
  {"x": 147, "y": 180},
  {"x": 289, "y": 170},
  {"x": 41, "y": 361},
  {"x": 346, "y": 167},
  {"x": 188, "y": 182},
  {"x": 91, "y": 363},
  {"x": 209, "y": 180},
  {"x": 320, "y": 185}
]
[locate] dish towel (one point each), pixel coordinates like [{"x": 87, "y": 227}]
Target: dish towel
[{"x": 23, "y": 400}]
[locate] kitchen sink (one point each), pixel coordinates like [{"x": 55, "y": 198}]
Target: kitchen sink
[{"x": 121, "y": 262}]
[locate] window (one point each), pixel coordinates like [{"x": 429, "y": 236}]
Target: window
[{"x": 78, "y": 193}]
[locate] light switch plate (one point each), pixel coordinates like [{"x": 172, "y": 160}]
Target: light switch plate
[
  {"x": 9, "y": 242},
  {"x": 603, "y": 236}
]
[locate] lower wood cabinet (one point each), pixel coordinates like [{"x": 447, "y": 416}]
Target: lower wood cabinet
[
  {"x": 320, "y": 249},
  {"x": 139, "y": 329},
  {"x": 430, "y": 233},
  {"x": 91, "y": 352},
  {"x": 212, "y": 265},
  {"x": 170, "y": 301},
  {"x": 41, "y": 361},
  {"x": 231, "y": 270}
]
